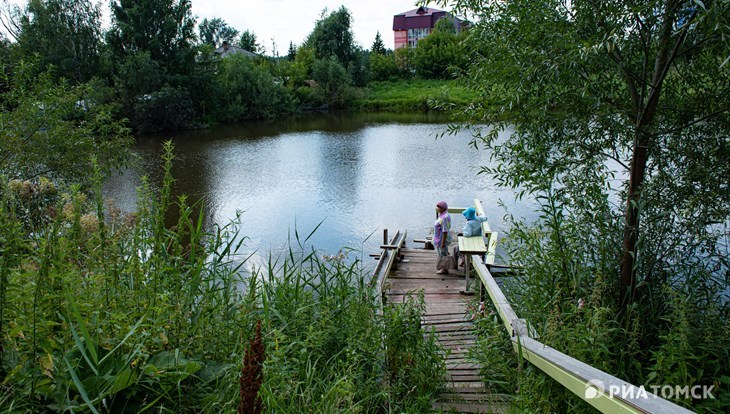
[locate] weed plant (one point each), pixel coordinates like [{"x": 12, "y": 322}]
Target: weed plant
[
  {"x": 108, "y": 312},
  {"x": 676, "y": 333}
]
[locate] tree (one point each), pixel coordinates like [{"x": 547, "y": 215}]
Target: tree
[
  {"x": 384, "y": 67},
  {"x": 292, "y": 53},
  {"x": 248, "y": 41},
  {"x": 249, "y": 91},
  {"x": 53, "y": 130},
  {"x": 333, "y": 82},
  {"x": 588, "y": 83},
  {"x": 163, "y": 28},
  {"x": 216, "y": 31},
  {"x": 65, "y": 33},
  {"x": 439, "y": 53},
  {"x": 332, "y": 36},
  {"x": 378, "y": 46}
]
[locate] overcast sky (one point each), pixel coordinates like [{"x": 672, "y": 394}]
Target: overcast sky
[
  {"x": 287, "y": 21},
  {"x": 292, "y": 20}
]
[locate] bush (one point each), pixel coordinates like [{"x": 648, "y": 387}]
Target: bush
[
  {"x": 168, "y": 109},
  {"x": 250, "y": 92},
  {"x": 333, "y": 82},
  {"x": 384, "y": 67}
]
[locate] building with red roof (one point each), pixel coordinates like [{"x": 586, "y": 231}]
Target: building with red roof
[{"x": 413, "y": 25}]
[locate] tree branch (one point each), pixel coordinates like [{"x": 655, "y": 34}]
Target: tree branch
[{"x": 695, "y": 121}]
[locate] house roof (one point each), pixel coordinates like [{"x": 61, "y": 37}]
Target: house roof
[
  {"x": 228, "y": 50},
  {"x": 421, "y": 11},
  {"x": 421, "y": 17}
]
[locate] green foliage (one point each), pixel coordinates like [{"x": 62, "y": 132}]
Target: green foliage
[
  {"x": 414, "y": 367},
  {"x": 440, "y": 54},
  {"x": 52, "y": 129},
  {"x": 493, "y": 351},
  {"x": 333, "y": 82},
  {"x": 138, "y": 74},
  {"x": 404, "y": 60},
  {"x": 216, "y": 31},
  {"x": 65, "y": 34},
  {"x": 248, "y": 41},
  {"x": 383, "y": 67},
  {"x": 291, "y": 53},
  {"x": 301, "y": 70},
  {"x": 162, "y": 28},
  {"x": 378, "y": 47},
  {"x": 415, "y": 95},
  {"x": 250, "y": 92},
  {"x": 332, "y": 37},
  {"x": 108, "y": 312},
  {"x": 168, "y": 109}
]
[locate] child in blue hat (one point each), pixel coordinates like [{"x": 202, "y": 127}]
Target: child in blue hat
[{"x": 472, "y": 227}]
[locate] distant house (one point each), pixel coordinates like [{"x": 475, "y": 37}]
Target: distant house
[
  {"x": 228, "y": 50},
  {"x": 411, "y": 26}
]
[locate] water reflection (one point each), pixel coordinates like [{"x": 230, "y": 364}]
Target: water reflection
[{"x": 356, "y": 174}]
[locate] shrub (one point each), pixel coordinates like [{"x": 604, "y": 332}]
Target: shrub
[{"x": 168, "y": 109}]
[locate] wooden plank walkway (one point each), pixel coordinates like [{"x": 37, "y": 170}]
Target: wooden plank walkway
[{"x": 446, "y": 314}]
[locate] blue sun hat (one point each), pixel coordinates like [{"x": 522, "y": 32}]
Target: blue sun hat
[{"x": 470, "y": 213}]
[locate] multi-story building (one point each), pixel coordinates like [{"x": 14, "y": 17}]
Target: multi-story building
[{"x": 410, "y": 26}]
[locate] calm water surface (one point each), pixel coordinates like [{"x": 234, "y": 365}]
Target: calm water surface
[{"x": 357, "y": 174}]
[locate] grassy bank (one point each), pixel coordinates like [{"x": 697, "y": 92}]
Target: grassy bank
[
  {"x": 414, "y": 95},
  {"x": 108, "y": 312}
]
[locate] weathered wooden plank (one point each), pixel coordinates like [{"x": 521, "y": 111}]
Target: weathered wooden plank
[
  {"x": 432, "y": 321},
  {"x": 472, "y": 245},
  {"x": 464, "y": 384},
  {"x": 471, "y": 408},
  {"x": 455, "y": 336},
  {"x": 452, "y": 366},
  {"x": 482, "y": 396},
  {"x": 462, "y": 378}
]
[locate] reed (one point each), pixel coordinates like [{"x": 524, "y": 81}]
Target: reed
[{"x": 108, "y": 312}]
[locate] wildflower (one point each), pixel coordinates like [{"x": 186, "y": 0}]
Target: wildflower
[
  {"x": 68, "y": 211},
  {"x": 14, "y": 185},
  {"x": 45, "y": 186},
  {"x": 26, "y": 190},
  {"x": 89, "y": 222},
  {"x": 581, "y": 303}
]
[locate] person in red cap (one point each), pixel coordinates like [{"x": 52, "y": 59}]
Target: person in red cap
[{"x": 441, "y": 235}]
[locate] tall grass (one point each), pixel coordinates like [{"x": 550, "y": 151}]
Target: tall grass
[
  {"x": 567, "y": 288},
  {"x": 108, "y": 312}
]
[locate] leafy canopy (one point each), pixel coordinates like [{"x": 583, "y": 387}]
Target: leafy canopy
[
  {"x": 216, "y": 31},
  {"x": 65, "y": 34},
  {"x": 598, "y": 90}
]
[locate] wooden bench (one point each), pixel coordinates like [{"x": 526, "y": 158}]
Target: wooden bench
[{"x": 469, "y": 246}]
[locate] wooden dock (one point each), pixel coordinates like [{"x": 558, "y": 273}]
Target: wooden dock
[
  {"x": 401, "y": 271},
  {"x": 447, "y": 314}
]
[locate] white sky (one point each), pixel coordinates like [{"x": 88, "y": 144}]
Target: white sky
[
  {"x": 293, "y": 20},
  {"x": 287, "y": 21}
]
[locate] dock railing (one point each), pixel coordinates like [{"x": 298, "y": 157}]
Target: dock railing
[
  {"x": 390, "y": 252},
  {"x": 603, "y": 391}
]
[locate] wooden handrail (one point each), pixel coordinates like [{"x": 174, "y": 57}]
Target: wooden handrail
[
  {"x": 592, "y": 385},
  {"x": 387, "y": 257}
]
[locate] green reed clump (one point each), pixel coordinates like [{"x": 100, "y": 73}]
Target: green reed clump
[{"x": 102, "y": 311}]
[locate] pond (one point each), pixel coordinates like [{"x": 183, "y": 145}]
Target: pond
[{"x": 352, "y": 175}]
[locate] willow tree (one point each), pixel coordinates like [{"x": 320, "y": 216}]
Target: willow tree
[
  {"x": 64, "y": 33},
  {"x": 644, "y": 85}
]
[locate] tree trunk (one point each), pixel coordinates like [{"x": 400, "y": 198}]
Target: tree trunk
[
  {"x": 631, "y": 229},
  {"x": 666, "y": 52}
]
